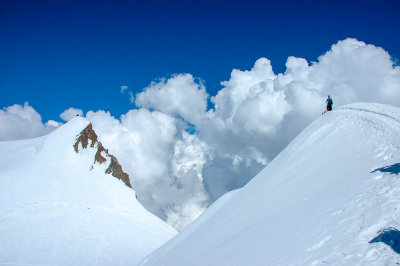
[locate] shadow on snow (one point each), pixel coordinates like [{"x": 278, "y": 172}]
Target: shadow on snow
[
  {"x": 393, "y": 169},
  {"x": 389, "y": 236}
]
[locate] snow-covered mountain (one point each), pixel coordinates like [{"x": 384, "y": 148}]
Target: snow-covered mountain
[
  {"x": 322, "y": 200},
  {"x": 65, "y": 200}
]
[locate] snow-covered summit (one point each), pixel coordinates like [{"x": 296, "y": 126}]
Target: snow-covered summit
[
  {"x": 322, "y": 200},
  {"x": 65, "y": 200}
]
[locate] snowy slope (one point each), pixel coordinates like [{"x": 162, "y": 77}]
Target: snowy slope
[
  {"x": 320, "y": 201},
  {"x": 59, "y": 207}
]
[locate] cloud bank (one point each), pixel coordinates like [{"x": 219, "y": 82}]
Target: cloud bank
[
  {"x": 182, "y": 154},
  {"x": 22, "y": 122}
]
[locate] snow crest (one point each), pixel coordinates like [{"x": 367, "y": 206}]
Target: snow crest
[{"x": 322, "y": 200}]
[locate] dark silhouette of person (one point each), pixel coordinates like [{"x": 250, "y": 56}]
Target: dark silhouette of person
[{"x": 329, "y": 103}]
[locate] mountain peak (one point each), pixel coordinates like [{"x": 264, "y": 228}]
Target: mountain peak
[
  {"x": 59, "y": 205},
  {"x": 102, "y": 155}
]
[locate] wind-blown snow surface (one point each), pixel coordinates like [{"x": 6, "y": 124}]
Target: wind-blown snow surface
[
  {"x": 320, "y": 201},
  {"x": 56, "y": 210}
]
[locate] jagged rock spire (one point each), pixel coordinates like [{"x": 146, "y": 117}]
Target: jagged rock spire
[{"x": 114, "y": 168}]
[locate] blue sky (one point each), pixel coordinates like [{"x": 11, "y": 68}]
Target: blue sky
[{"x": 61, "y": 54}]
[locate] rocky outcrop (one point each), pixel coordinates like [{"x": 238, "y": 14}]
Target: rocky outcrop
[{"x": 114, "y": 168}]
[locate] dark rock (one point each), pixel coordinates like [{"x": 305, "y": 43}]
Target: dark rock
[
  {"x": 84, "y": 137},
  {"x": 114, "y": 168}
]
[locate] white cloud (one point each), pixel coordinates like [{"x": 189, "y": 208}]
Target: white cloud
[
  {"x": 52, "y": 123},
  {"x": 355, "y": 71},
  {"x": 22, "y": 122},
  {"x": 242, "y": 86},
  {"x": 70, "y": 113},
  {"x": 255, "y": 115},
  {"x": 125, "y": 89},
  {"x": 164, "y": 162},
  {"x": 180, "y": 95},
  {"x": 180, "y": 216}
]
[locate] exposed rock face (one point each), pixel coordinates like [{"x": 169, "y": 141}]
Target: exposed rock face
[{"x": 114, "y": 168}]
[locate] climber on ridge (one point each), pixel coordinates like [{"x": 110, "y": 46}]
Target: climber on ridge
[{"x": 329, "y": 103}]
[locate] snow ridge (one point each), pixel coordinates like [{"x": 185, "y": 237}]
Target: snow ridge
[
  {"x": 374, "y": 108},
  {"x": 322, "y": 200}
]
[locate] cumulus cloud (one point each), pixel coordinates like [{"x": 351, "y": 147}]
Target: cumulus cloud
[
  {"x": 182, "y": 154},
  {"x": 248, "y": 103},
  {"x": 180, "y": 95},
  {"x": 22, "y": 122},
  {"x": 355, "y": 71},
  {"x": 70, "y": 113},
  {"x": 164, "y": 161}
]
